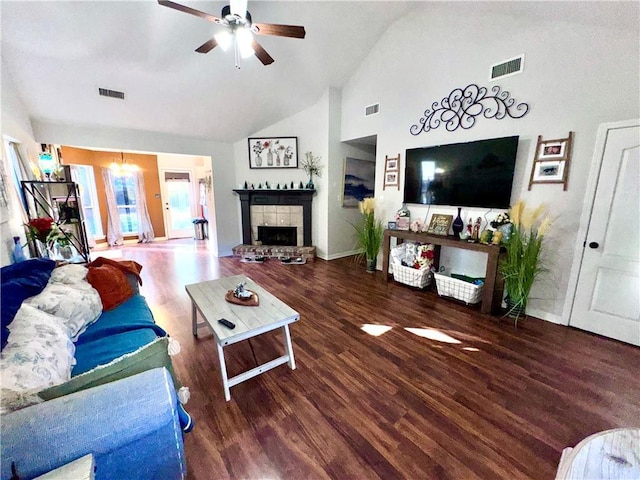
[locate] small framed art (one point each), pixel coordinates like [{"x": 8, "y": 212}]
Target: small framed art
[
  {"x": 391, "y": 172},
  {"x": 551, "y": 163},
  {"x": 439, "y": 224},
  {"x": 392, "y": 225},
  {"x": 274, "y": 152}
]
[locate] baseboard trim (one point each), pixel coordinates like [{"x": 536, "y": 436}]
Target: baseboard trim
[{"x": 336, "y": 256}]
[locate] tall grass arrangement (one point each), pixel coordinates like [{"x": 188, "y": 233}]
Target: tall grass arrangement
[
  {"x": 369, "y": 232},
  {"x": 522, "y": 264}
]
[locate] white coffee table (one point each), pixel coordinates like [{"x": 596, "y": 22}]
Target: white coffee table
[{"x": 208, "y": 299}]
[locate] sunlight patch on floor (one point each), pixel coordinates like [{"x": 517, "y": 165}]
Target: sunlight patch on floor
[
  {"x": 433, "y": 334},
  {"x": 375, "y": 330},
  {"x": 471, "y": 349}
]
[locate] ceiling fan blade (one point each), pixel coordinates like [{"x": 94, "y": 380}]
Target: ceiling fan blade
[
  {"x": 207, "y": 46},
  {"x": 238, "y": 7},
  {"x": 189, "y": 10},
  {"x": 261, "y": 53},
  {"x": 292, "y": 31}
]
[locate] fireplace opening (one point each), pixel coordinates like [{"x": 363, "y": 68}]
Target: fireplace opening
[{"x": 285, "y": 236}]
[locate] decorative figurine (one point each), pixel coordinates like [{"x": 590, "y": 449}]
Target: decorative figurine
[
  {"x": 292, "y": 187},
  {"x": 267, "y": 186},
  {"x": 476, "y": 229},
  {"x": 301, "y": 186},
  {"x": 240, "y": 292},
  {"x": 246, "y": 185},
  {"x": 470, "y": 228},
  {"x": 497, "y": 238}
]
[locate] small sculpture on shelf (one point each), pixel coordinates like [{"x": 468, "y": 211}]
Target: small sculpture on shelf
[{"x": 475, "y": 236}]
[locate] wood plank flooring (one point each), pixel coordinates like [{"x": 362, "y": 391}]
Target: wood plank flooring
[{"x": 472, "y": 398}]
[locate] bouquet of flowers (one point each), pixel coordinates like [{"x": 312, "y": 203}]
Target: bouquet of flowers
[
  {"x": 258, "y": 147},
  {"x": 501, "y": 219},
  {"x": 312, "y": 166},
  {"x": 39, "y": 228}
]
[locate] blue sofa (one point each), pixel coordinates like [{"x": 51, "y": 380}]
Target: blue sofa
[
  {"x": 113, "y": 357},
  {"x": 130, "y": 426}
]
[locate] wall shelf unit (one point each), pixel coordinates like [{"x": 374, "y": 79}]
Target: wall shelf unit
[{"x": 61, "y": 202}]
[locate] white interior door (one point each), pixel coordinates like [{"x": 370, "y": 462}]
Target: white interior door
[
  {"x": 607, "y": 298},
  {"x": 178, "y": 202}
]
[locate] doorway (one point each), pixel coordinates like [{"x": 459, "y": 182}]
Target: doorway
[
  {"x": 178, "y": 202},
  {"x": 607, "y": 296}
]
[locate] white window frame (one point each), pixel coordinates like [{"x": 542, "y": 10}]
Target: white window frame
[{"x": 93, "y": 194}]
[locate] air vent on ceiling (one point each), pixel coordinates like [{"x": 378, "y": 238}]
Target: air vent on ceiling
[
  {"x": 105, "y": 92},
  {"x": 371, "y": 109},
  {"x": 506, "y": 68}
]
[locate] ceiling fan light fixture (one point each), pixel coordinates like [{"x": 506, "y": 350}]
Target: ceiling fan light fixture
[
  {"x": 224, "y": 39},
  {"x": 244, "y": 37}
]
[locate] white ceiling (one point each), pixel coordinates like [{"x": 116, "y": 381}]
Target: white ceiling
[{"x": 59, "y": 53}]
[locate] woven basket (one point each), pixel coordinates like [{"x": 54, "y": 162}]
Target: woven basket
[
  {"x": 458, "y": 289},
  {"x": 414, "y": 277}
]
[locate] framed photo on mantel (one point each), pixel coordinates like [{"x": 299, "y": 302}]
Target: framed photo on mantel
[{"x": 273, "y": 152}]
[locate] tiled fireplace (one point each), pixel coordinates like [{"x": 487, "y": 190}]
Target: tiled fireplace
[{"x": 278, "y": 211}]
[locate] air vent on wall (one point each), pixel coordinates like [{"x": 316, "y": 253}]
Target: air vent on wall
[
  {"x": 371, "y": 109},
  {"x": 105, "y": 92},
  {"x": 506, "y": 68}
]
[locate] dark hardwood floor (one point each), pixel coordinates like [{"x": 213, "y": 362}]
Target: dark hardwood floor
[{"x": 474, "y": 398}]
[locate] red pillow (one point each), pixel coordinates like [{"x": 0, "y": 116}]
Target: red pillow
[{"x": 111, "y": 284}]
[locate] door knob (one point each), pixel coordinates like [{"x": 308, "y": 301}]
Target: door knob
[{"x": 594, "y": 245}]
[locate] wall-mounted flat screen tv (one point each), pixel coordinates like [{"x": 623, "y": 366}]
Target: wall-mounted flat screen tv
[{"x": 472, "y": 174}]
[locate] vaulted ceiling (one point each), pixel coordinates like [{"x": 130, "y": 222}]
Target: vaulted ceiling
[{"x": 59, "y": 53}]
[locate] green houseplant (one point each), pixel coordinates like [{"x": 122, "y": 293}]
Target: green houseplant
[
  {"x": 522, "y": 263},
  {"x": 369, "y": 233}
]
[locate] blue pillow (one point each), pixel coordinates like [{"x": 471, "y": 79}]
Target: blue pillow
[{"x": 19, "y": 282}]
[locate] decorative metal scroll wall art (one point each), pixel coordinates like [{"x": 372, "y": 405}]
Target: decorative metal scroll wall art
[{"x": 461, "y": 107}]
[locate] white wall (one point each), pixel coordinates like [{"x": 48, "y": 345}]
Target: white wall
[
  {"x": 17, "y": 128},
  {"x": 311, "y": 127},
  {"x": 576, "y": 77},
  {"x": 226, "y": 222}
]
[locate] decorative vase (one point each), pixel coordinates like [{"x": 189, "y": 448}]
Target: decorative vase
[
  {"x": 43, "y": 249},
  {"x": 310, "y": 185},
  {"x": 64, "y": 251},
  {"x": 513, "y": 310},
  {"x": 258, "y": 160},
  {"x": 458, "y": 225},
  {"x": 371, "y": 265},
  {"x": 506, "y": 231},
  {"x": 277, "y": 159},
  {"x": 269, "y": 159}
]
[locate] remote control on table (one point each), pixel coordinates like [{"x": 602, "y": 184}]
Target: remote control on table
[{"x": 227, "y": 323}]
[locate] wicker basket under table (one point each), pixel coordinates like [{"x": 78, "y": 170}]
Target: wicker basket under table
[
  {"x": 414, "y": 277},
  {"x": 458, "y": 289}
]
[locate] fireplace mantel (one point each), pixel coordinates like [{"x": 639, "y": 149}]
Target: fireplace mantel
[{"x": 250, "y": 197}]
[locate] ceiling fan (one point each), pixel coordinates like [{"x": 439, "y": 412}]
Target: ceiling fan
[{"x": 239, "y": 30}]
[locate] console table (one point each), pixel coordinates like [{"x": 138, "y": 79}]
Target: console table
[{"x": 493, "y": 284}]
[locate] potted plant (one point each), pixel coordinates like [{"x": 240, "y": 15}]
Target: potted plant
[
  {"x": 369, "y": 234},
  {"x": 311, "y": 165},
  {"x": 522, "y": 263}
]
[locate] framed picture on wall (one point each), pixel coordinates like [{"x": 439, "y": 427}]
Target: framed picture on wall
[
  {"x": 391, "y": 172},
  {"x": 273, "y": 152},
  {"x": 359, "y": 181},
  {"x": 551, "y": 163}
]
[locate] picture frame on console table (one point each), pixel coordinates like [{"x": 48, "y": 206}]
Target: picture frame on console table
[
  {"x": 273, "y": 152},
  {"x": 440, "y": 224}
]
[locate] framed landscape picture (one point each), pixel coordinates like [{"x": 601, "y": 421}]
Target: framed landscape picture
[
  {"x": 273, "y": 152},
  {"x": 359, "y": 181}
]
